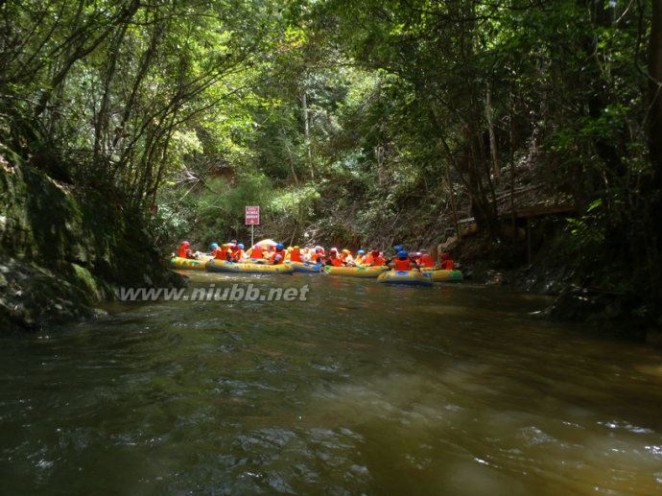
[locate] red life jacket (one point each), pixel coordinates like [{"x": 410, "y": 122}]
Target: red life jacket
[
  {"x": 447, "y": 264},
  {"x": 399, "y": 264},
  {"x": 295, "y": 256},
  {"x": 426, "y": 260},
  {"x": 182, "y": 252}
]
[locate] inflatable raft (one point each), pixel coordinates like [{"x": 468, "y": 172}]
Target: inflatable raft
[
  {"x": 188, "y": 263},
  {"x": 405, "y": 277},
  {"x": 440, "y": 275},
  {"x": 305, "y": 266},
  {"x": 370, "y": 271},
  {"x": 248, "y": 268}
]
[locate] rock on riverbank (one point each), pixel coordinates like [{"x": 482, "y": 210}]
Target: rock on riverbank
[{"x": 64, "y": 248}]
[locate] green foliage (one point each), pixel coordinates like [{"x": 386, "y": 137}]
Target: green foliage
[
  {"x": 295, "y": 202},
  {"x": 588, "y": 232},
  {"x": 219, "y": 208},
  {"x": 119, "y": 85}
]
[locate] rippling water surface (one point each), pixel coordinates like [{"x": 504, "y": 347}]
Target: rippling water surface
[{"x": 362, "y": 389}]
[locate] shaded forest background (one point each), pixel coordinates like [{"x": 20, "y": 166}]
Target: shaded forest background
[{"x": 360, "y": 123}]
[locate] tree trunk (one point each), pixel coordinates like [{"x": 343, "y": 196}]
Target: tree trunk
[
  {"x": 496, "y": 172},
  {"x": 306, "y": 134},
  {"x": 102, "y": 119},
  {"x": 655, "y": 91},
  {"x": 654, "y": 238}
]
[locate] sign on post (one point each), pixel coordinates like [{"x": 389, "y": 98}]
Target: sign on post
[{"x": 252, "y": 216}]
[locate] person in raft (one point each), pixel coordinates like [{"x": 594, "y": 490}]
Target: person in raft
[
  {"x": 306, "y": 253},
  {"x": 184, "y": 250},
  {"x": 425, "y": 260},
  {"x": 257, "y": 252},
  {"x": 278, "y": 256},
  {"x": 397, "y": 249},
  {"x": 295, "y": 255},
  {"x": 238, "y": 253},
  {"x": 446, "y": 262},
  {"x": 402, "y": 262},
  {"x": 319, "y": 256},
  {"x": 374, "y": 258},
  {"x": 213, "y": 248},
  {"x": 223, "y": 253},
  {"x": 334, "y": 259},
  {"x": 347, "y": 259}
]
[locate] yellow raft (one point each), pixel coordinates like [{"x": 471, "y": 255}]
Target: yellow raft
[
  {"x": 405, "y": 277},
  {"x": 369, "y": 271},
  {"x": 188, "y": 263},
  {"x": 248, "y": 267},
  {"x": 440, "y": 275}
]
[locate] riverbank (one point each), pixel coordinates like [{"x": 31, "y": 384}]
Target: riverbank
[
  {"x": 580, "y": 296},
  {"x": 65, "y": 248}
]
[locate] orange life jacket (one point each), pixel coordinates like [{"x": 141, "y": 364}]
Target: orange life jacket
[
  {"x": 182, "y": 252},
  {"x": 447, "y": 264},
  {"x": 257, "y": 251},
  {"x": 295, "y": 256},
  {"x": 278, "y": 257},
  {"x": 378, "y": 261},
  {"x": 222, "y": 254}
]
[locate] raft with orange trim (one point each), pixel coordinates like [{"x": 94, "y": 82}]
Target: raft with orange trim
[
  {"x": 359, "y": 271},
  {"x": 248, "y": 267},
  {"x": 188, "y": 263},
  {"x": 405, "y": 277}
]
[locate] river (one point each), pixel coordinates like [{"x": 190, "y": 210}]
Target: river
[{"x": 359, "y": 389}]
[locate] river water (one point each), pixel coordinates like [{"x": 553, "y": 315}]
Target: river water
[{"x": 360, "y": 389}]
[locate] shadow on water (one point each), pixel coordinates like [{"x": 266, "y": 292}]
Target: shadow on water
[{"x": 362, "y": 388}]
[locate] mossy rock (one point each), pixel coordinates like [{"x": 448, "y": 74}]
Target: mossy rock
[
  {"x": 84, "y": 279},
  {"x": 66, "y": 247}
]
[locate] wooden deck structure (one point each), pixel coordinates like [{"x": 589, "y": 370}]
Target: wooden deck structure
[{"x": 519, "y": 207}]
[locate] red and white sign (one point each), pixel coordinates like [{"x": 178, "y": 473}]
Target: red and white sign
[{"x": 252, "y": 216}]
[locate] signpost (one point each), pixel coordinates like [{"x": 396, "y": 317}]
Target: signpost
[{"x": 252, "y": 218}]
